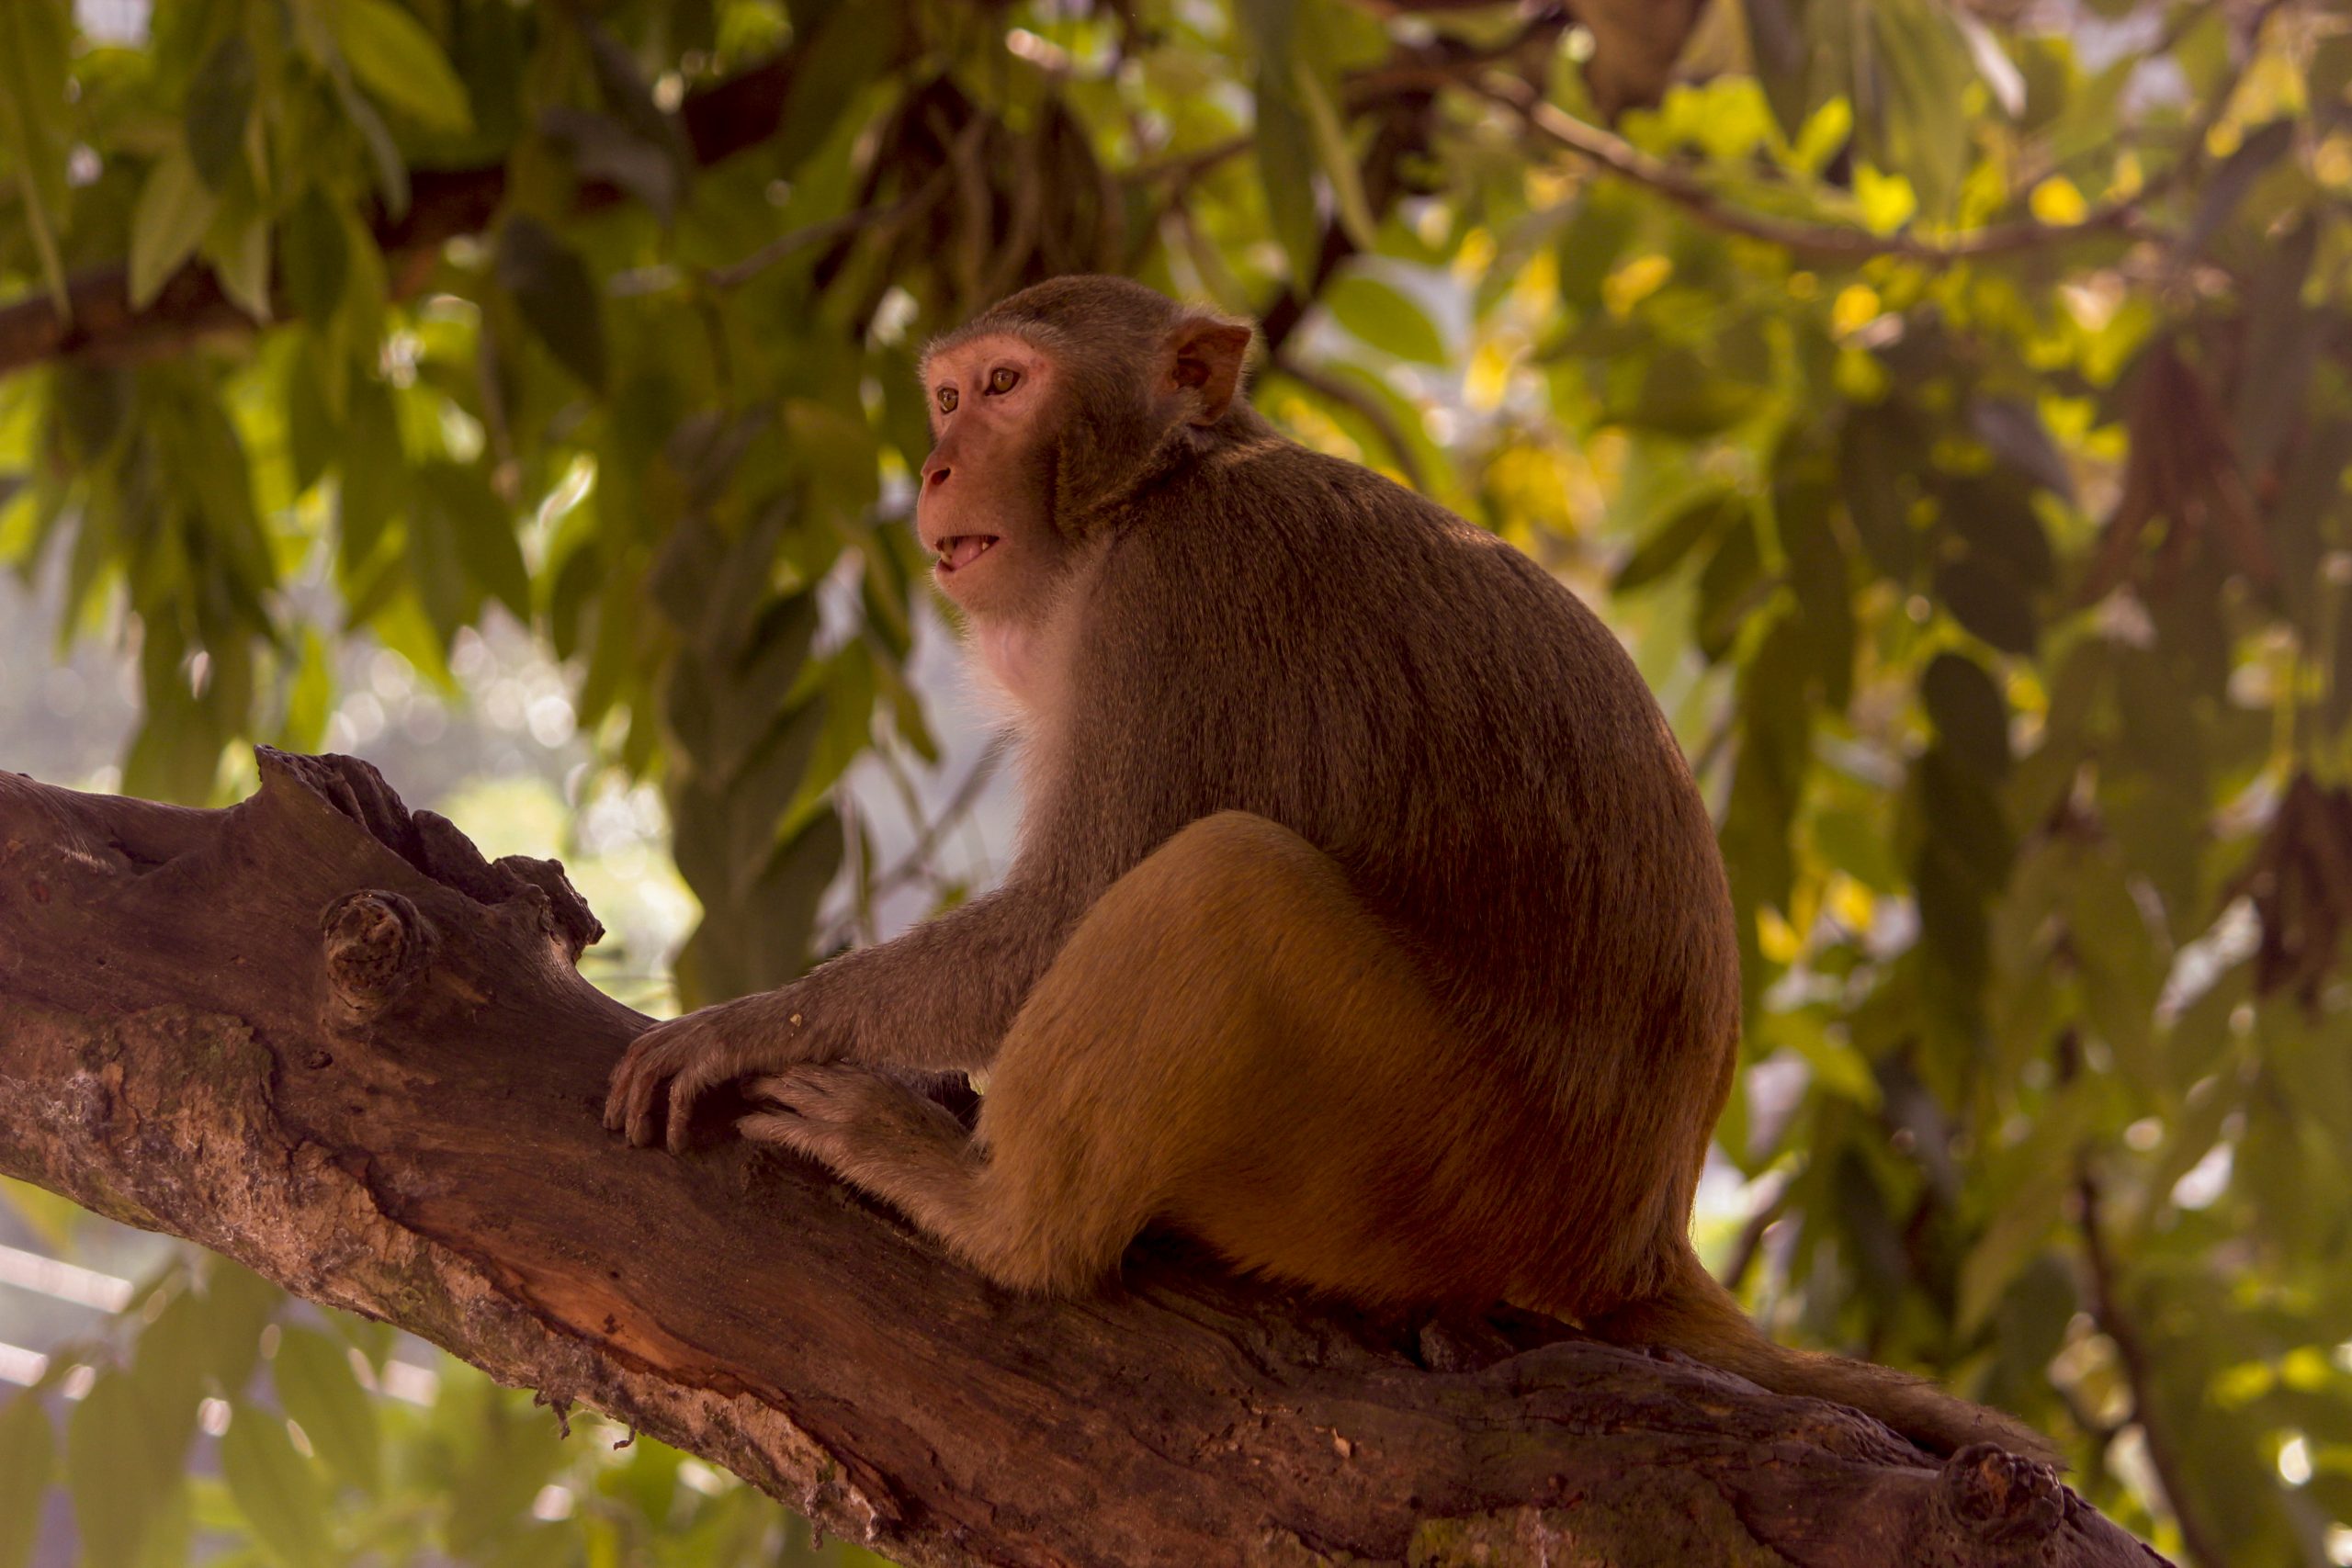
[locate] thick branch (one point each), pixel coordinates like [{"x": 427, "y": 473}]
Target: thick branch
[{"x": 321, "y": 1035}]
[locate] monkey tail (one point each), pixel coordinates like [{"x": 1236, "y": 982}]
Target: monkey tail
[{"x": 1696, "y": 1315}]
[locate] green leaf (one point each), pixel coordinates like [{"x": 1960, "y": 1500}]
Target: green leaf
[
  {"x": 174, "y": 209},
  {"x": 28, "y": 1461},
  {"x": 481, "y": 530},
  {"x": 274, "y": 1487},
  {"x": 1784, "y": 57},
  {"x": 1337, "y": 163},
  {"x": 2121, "y": 969},
  {"x": 1819, "y": 572},
  {"x": 238, "y": 1304},
  {"x": 315, "y": 256},
  {"x": 384, "y": 153},
  {"x": 848, "y": 695},
  {"x": 1996, "y": 520},
  {"x": 1604, "y": 223},
  {"x": 320, "y": 1391},
  {"x": 1285, "y": 146},
  {"x": 1664, "y": 550},
  {"x": 1914, "y": 76},
  {"x": 108, "y": 1472},
  {"x": 1383, "y": 316},
  {"x": 1969, "y": 827},
  {"x": 844, "y": 52},
  {"x": 2231, "y": 182},
  {"x": 395, "y": 59},
  {"x": 219, "y": 102},
  {"x": 1990, "y": 602},
  {"x": 310, "y": 696},
  {"x": 509, "y": 1454},
  {"x": 241, "y": 261},
  {"x": 1875, "y": 456},
  {"x": 167, "y": 1373},
  {"x": 375, "y": 480},
  {"x": 556, "y": 296},
  {"x": 1727, "y": 589},
  {"x": 1969, "y": 712},
  {"x": 2024, "y": 1218},
  {"x": 34, "y": 76}
]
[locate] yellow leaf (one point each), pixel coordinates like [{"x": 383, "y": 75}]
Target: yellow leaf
[
  {"x": 2056, "y": 200},
  {"x": 1887, "y": 200}
]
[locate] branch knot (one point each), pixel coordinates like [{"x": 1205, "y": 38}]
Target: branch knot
[{"x": 377, "y": 943}]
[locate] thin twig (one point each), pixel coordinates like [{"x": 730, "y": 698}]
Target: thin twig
[
  {"x": 1750, "y": 1245},
  {"x": 914, "y": 863},
  {"x": 2139, "y": 1374},
  {"x": 737, "y": 273},
  {"x": 1680, "y": 185},
  {"x": 1362, "y": 403}
]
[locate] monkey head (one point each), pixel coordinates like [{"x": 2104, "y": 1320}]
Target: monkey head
[{"x": 1051, "y": 409}]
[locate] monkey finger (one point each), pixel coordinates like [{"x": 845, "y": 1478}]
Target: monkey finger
[
  {"x": 646, "y": 1084},
  {"x": 617, "y": 1091},
  {"x": 806, "y": 1091},
  {"x": 638, "y": 1069},
  {"x": 696, "y": 1077},
  {"x": 782, "y": 1128},
  {"x": 771, "y": 1127}
]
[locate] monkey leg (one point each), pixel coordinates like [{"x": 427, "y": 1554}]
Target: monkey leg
[{"x": 1230, "y": 1041}]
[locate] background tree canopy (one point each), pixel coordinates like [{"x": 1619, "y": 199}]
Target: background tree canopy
[{"x": 1948, "y": 403}]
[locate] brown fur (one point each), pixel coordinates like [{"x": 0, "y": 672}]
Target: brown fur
[{"x": 1366, "y": 921}]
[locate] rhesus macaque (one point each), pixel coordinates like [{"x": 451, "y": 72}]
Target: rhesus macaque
[{"x": 1365, "y": 921}]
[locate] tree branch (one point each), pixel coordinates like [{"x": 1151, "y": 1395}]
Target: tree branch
[
  {"x": 101, "y": 326},
  {"x": 1365, "y": 406},
  {"x": 1688, "y": 190},
  {"x": 320, "y": 1034},
  {"x": 2139, "y": 1374}
]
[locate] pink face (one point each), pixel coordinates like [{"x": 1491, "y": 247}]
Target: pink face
[{"x": 981, "y": 511}]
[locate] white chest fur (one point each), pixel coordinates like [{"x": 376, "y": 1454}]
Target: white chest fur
[
  {"x": 1009, "y": 660},
  {"x": 1023, "y": 664}
]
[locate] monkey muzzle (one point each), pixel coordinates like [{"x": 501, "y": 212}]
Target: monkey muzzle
[{"x": 960, "y": 550}]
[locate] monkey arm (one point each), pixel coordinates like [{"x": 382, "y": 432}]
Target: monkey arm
[
  {"x": 940, "y": 996},
  {"x": 943, "y": 995}
]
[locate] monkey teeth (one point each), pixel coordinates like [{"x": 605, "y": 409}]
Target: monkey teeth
[{"x": 956, "y": 553}]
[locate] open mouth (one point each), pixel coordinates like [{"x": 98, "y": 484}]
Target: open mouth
[{"x": 960, "y": 550}]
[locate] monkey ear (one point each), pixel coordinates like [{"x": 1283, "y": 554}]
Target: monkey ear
[{"x": 1206, "y": 357}]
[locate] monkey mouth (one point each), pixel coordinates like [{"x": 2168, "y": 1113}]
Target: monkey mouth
[{"x": 960, "y": 550}]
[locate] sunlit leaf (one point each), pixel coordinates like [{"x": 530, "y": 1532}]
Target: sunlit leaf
[
  {"x": 319, "y": 1392},
  {"x": 28, "y": 1462},
  {"x": 1384, "y": 318},
  {"x": 175, "y": 209},
  {"x": 274, "y": 1487},
  {"x": 109, "y": 1473},
  {"x": 395, "y": 59}
]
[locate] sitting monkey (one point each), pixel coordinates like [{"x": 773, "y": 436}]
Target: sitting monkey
[{"x": 1366, "y": 922}]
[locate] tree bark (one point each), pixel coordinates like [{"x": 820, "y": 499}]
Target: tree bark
[{"x": 323, "y": 1035}]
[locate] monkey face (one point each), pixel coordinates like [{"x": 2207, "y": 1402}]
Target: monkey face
[{"x": 984, "y": 510}]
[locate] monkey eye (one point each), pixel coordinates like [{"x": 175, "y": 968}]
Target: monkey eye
[
  {"x": 947, "y": 399},
  {"x": 1004, "y": 379}
]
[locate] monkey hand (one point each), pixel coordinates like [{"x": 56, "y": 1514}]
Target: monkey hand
[
  {"x": 673, "y": 1065},
  {"x": 872, "y": 1126}
]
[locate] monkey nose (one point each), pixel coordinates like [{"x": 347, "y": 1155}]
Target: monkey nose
[{"x": 937, "y": 476}]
